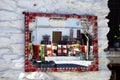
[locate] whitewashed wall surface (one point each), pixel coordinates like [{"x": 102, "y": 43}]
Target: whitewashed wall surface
[{"x": 12, "y": 37}]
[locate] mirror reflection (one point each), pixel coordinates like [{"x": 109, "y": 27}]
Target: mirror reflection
[{"x": 59, "y": 42}]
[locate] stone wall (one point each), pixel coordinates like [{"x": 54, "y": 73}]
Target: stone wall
[{"x": 12, "y": 37}]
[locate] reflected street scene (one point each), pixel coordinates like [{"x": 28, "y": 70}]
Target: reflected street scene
[{"x": 62, "y": 41}]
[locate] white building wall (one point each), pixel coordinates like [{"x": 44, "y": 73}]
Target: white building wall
[
  {"x": 39, "y": 32},
  {"x": 45, "y": 26},
  {"x": 12, "y": 37}
]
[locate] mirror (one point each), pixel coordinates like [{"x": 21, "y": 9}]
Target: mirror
[{"x": 60, "y": 42}]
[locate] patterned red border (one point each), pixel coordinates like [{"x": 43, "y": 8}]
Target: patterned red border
[{"x": 29, "y": 67}]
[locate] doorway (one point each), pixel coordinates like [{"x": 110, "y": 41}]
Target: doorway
[{"x": 56, "y": 36}]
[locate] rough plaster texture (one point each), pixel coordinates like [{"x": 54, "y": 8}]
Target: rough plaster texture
[{"x": 12, "y": 37}]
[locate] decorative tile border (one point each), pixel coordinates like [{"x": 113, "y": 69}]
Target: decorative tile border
[{"x": 29, "y": 67}]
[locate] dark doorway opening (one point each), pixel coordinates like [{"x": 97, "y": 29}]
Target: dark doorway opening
[
  {"x": 56, "y": 36},
  {"x": 114, "y": 25},
  {"x": 114, "y": 35}
]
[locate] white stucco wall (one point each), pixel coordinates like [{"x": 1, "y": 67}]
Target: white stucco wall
[
  {"x": 49, "y": 31},
  {"x": 12, "y": 37},
  {"x": 44, "y": 26}
]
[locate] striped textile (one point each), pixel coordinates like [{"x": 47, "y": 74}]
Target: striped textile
[
  {"x": 31, "y": 48},
  {"x": 36, "y": 51},
  {"x": 49, "y": 50},
  {"x": 59, "y": 50},
  {"x": 64, "y": 49},
  {"x": 42, "y": 52},
  {"x": 54, "y": 50}
]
